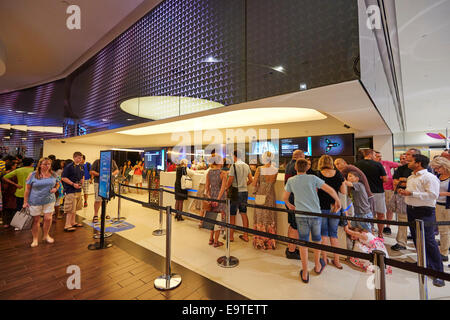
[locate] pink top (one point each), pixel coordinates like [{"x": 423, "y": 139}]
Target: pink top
[{"x": 388, "y": 166}]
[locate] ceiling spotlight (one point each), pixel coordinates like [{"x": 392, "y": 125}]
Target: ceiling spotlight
[
  {"x": 303, "y": 86},
  {"x": 130, "y": 119},
  {"x": 7, "y": 137},
  {"x": 211, "y": 59},
  {"x": 24, "y": 138},
  {"x": 20, "y": 111},
  {"x": 104, "y": 120},
  {"x": 31, "y": 112},
  {"x": 279, "y": 68}
]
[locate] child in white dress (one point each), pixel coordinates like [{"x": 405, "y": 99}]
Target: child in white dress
[{"x": 366, "y": 242}]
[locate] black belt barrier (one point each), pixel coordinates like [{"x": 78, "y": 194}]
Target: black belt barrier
[{"x": 366, "y": 256}]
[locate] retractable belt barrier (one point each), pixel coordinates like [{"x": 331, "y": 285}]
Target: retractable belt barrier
[
  {"x": 366, "y": 256},
  {"x": 313, "y": 214},
  {"x": 134, "y": 187}
]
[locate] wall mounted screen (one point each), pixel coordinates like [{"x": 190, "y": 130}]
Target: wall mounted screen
[{"x": 333, "y": 145}]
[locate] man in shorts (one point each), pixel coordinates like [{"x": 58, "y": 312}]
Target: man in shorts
[
  {"x": 376, "y": 176},
  {"x": 73, "y": 178},
  {"x": 95, "y": 172},
  {"x": 87, "y": 179},
  {"x": 292, "y": 251},
  {"x": 305, "y": 186},
  {"x": 241, "y": 172}
]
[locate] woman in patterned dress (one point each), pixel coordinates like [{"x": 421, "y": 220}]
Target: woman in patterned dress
[
  {"x": 263, "y": 219},
  {"x": 216, "y": 181}
]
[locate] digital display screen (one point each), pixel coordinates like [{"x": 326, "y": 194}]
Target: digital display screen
[
  {"x": 154, "y": 159},
  {"x": 333, "y": 145},
  {"x": 288, "y": 146},
  {"x": 259, "y": 147},
  {"x": 105, "y": 174}
]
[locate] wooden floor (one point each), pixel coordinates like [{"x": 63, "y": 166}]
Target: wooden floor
[{"x": 40, "y": 273}]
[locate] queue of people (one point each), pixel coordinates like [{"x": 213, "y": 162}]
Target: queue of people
[{"x": 377, "y": 189}]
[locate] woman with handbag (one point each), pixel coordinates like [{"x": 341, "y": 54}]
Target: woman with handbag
[
  {"x": 41, "y": 186},
  {"x": 137, "y": 175},
  {"x": 264, "y": 219},
  {"x": 215, "y": 188},
  {"x": 181, "y": 186}
]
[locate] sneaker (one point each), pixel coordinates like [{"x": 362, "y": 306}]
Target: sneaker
[
  {"x": 293, "y": 255},
  {"x": 438, "y": 282},
  {"x": 409, "y": 237},
  {"x": 444, "y": 258},
  {"x": 387, "y": 231},
  {"x": 398, "y": 247}
]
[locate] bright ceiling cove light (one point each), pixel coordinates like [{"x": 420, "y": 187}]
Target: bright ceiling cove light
[
  {"x": 163, "y": 107},
  {"x": 128, "y": 150},
  {"x": 32, "y": 128},
  {"x": 232, "y": 119}
]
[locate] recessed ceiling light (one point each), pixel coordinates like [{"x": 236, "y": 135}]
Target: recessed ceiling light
[
  {"x": 24, "y": 138},
  {"x": 104, "y": 120},
  {"x": 211, "y": 59},
  {"x": 31, "y": 112},
  {"x": 303, "y": 86},
  {"x": 279, "y": 68},
  {"x": 130, "y": 119},
  {"x": 19, "y": 111}
]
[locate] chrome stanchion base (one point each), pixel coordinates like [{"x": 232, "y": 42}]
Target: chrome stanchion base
[
  {"x": 97, "y": 246},
  {"x": 165, "y": 282},
  {"x": 228, "y": 263},
  {"x": 107, "y": 235},
  {"x": 159, "y": 232},
  {"x": 119, "y": 219}
]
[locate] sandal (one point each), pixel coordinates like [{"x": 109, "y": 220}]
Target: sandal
[
  {"x": 70, "y": 229},
  {"x": 218, "y": 244},
  {"x": 242, "y": 238},
  {"x": 107, "y": 217},
  {"x": 211, "y": 241},
  {"x": 77, "y": 225},
  {"x": 95, "y": 219},
  {"x": 334, "y": 264},
  {"x": 301, "y": 277},
  {"x": 322, "y": 266}
]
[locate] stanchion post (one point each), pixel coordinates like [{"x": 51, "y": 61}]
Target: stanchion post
[
  {"x": 119, "y": 206},
  {"x": 380, "y": 275},
  {"x": 168, "y": 280},
  {"x": 160, "y": 231},
  {"x": 421, "y": 261},
  {"x": 102, "y": 244},
  {"x": 228, "y": 261}
]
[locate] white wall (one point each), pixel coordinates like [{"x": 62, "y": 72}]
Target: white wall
[
  {"x": 383, "y": 144},
  {"x": 66, "y": 150}
]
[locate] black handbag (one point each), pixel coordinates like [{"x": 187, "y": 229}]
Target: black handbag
[
  {"x": 232, "y": 192},
  {"x": 209, "y": 215}
]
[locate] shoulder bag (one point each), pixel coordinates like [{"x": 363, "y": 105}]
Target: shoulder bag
[
  {"x": 232, "y": 192},
  {"x": 186, "y": 181}
]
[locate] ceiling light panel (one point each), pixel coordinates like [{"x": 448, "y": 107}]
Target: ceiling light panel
[{"x": 232, "y": 119}]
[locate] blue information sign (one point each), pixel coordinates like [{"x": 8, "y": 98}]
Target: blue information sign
[{"x": 105, "y": 174}]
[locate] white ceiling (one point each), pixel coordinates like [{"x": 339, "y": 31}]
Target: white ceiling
[
  {"x": 424, "y": 37},
  {"x": 39, "y": 46}
]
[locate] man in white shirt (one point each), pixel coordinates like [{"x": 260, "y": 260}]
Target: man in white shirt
[{"x": 422, "y": 190}]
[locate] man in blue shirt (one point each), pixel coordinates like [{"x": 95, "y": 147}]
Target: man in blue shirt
[
  {"x": 73, "y": 178},
  {"x": 305, "y": 187},
  {"x": 87, "y": 179}
]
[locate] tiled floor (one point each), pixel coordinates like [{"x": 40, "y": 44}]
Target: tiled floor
[{"x": 262, "y": 275}]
